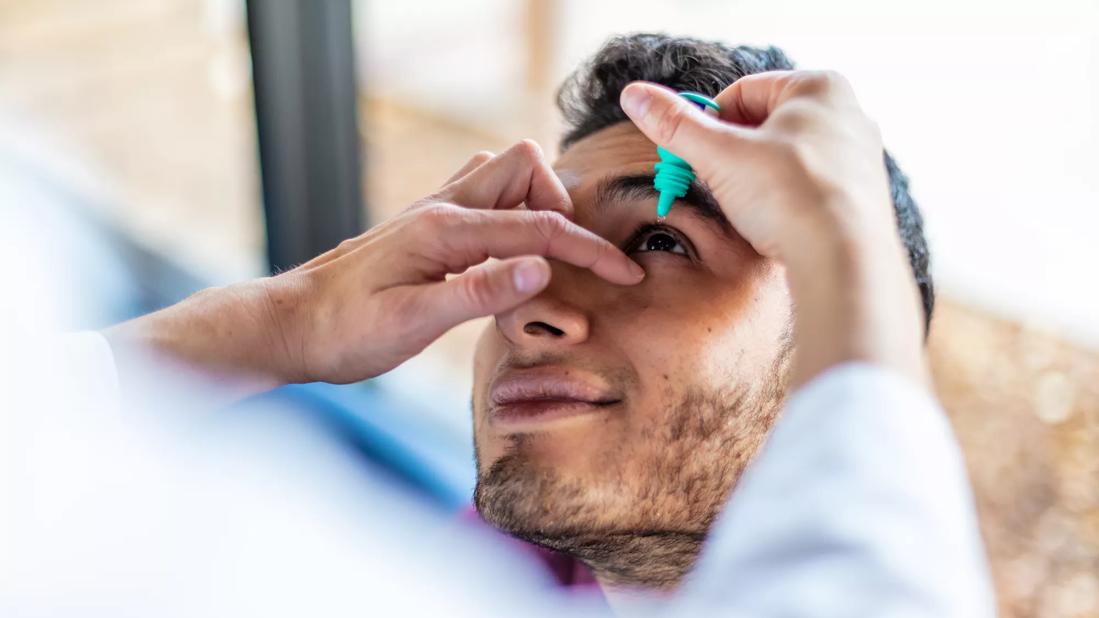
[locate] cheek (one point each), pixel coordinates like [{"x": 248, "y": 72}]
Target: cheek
[
  {"x": 666, "y": 336},
  {"x": 697, "y": 330},
  {"x": 743, "y": 344}
]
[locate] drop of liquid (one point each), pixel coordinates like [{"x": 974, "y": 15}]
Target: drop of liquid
[{"x": 660, "y": 219}]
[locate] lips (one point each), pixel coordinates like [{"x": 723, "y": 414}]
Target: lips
[{"x": 531, "y": 398}]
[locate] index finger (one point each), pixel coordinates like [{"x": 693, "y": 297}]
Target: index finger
[
  {"x": 518, "y": 175},
  {"x": 679, "y": 126},
  {"x": 467, "y": 237}
]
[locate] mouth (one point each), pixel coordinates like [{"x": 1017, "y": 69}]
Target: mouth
[{"x": 532, "y": 399}]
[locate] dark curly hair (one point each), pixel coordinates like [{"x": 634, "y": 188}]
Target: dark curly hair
[{"x": 588, "y": 100}]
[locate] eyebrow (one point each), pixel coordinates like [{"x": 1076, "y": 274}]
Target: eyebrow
[{"x": 698, "y": 199}]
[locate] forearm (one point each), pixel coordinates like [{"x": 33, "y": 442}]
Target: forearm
[{"x": 230, "y": 336}]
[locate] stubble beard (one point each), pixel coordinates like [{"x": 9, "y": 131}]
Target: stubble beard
[{"x": 642, "y": 522}]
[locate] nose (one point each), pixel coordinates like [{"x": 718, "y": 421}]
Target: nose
[{"x": 545, "y": 321}]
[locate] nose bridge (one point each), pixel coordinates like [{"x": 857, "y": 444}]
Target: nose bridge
[{"x": 559, "y": 316}]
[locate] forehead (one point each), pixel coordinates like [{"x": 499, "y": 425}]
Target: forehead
[{"x": 617, "y": 150}]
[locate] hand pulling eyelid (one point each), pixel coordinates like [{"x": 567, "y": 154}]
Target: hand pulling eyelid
[{"x": 674, "y": 175}]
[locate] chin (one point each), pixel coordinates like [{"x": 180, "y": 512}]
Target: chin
[
  {"x": 572, "y": 453},
  {"x": 539, "y": 482}
]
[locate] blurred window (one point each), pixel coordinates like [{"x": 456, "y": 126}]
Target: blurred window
[{"x": 152, "y": 101}]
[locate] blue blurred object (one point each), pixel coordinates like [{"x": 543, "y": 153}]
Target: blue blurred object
[{"x": 388, "y": 433}]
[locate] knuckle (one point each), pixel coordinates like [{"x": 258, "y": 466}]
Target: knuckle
[
  {"x": 528, "y": 150},
  {"x": 824, "y": 84},
  {"x": 415, "y": 204},
  {"x": 809, "y": 83},
  {"x": 795, "y": 117},
  {"x": 815, "y": 82},
  {"x": 790, "y": 154},
  {"x": 480, "y": 288},
  {"x": 437, "y": 216},
  {"x": 600, "y": 253},
  {"x": 782, "y": 150},
  {"x": 820, "y": 78},
  {"x": 804, "y": 157},
  {"x": 427, "y": 201},
  {"x": 481, "y": 157},
  {"x": 548, "y": 223}
]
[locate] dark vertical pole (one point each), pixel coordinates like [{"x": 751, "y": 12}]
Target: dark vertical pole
[{"x": 303, "y": 70}]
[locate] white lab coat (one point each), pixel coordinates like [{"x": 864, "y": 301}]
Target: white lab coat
[{"x": 858, "y": 505}]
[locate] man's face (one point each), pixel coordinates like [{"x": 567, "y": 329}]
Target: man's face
[{"x": 604, "y": 411}]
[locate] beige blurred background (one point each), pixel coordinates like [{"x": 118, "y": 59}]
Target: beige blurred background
[{"x": 991, "y": 107}]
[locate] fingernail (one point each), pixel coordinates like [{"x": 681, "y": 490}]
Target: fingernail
[
  {"x": 636, "y": 270},
  {"x": 528, "y": 276},
  {"x": 636, "y": 101}
]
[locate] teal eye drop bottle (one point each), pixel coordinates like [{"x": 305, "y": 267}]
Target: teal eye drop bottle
[{"x": 674, "y": 175}]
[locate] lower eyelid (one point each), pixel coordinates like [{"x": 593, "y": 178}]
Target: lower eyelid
[{"x": 638, "y": 254}]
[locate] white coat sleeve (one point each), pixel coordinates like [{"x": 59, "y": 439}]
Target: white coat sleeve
[
  {"x": 858, "y": 505},
  {"x": 72, "y": 371}
]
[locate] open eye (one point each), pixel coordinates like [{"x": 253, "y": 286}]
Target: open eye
[{"x": 657, "y": 239}]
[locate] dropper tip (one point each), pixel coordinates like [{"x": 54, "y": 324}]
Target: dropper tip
[{"x": 664, "y": 204}]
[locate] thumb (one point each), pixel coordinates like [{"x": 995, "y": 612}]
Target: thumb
[
  {"x": 671, "y": 121},
  {"x": 490, "y": 288}
]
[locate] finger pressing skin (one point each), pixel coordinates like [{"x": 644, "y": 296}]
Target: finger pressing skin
[
  {"x": 488, "y": 289},
  {"x": 474, "y": 162},
  {"x": 518, "y": 175},
  {"x": 457, "y": 238}
]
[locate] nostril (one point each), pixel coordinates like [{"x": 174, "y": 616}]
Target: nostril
[{"x": 539, "y": 328}]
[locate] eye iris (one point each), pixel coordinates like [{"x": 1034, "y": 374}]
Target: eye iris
[{"x": 660, "y": 242}]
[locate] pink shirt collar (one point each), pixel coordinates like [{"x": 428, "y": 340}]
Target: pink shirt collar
[{"x": 567, "y": 571}]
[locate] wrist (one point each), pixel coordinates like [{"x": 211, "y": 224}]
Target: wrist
[
  {"x": 281, "y": 312},
  {"x": 855, "y": 299},
  {"x": 235, "y": 336}
]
